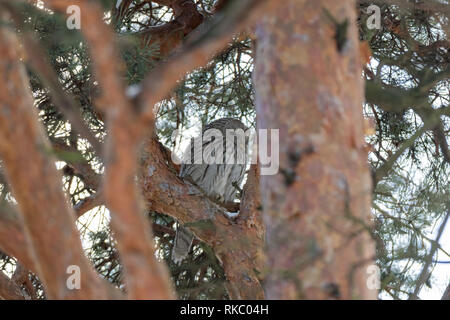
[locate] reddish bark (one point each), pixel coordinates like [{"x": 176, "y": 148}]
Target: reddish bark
[
  {"x": 237, "y": 244},
  {"x": 145, "y": 277},
  {"x": 12, "y": 238},
  {"x": 317, "y": 208},
  {"x": 8, "y": 289},
  {"x": 22, "y": 279},
  {"x": 47, "y": 219},
  {"x": 170, "y": 35},
  {"x": 126, "y": 131},
  {"x": 248, "y": 250}
]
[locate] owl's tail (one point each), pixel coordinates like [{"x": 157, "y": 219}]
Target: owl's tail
[{"x": 182, "y": 244}]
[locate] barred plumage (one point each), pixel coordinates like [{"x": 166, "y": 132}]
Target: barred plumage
[{"x": 219, "y": 181}]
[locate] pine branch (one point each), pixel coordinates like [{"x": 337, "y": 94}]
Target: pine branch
[{"x": 424, "y": 274}]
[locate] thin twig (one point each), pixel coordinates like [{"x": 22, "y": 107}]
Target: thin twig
[{"x": 424, "y": 274}]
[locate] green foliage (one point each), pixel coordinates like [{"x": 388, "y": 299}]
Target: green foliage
[
  {"x": 411, "y": 201},
  {"x": 408, "y": 204},
  {"x": 139, "y": 58}
]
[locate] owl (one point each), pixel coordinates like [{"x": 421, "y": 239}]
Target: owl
[{"x": 216, "y": 162}]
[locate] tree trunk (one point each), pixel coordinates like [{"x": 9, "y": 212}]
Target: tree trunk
[{"x": 317, "y": 208}]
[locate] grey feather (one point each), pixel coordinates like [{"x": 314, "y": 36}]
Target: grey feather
[{"x": 216, "y": 180}]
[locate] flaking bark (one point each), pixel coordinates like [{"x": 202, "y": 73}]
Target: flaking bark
[{"x": 317, "y": 208}]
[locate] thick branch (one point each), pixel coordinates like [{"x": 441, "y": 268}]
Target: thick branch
[
  {"x": 47, "y": 219},
  {"x": 431, "y": 121},
  {"x": 397, "y": 99},
  {"x": 80, "y": 167},
  {"x": 170, "y": 35},
  {"x": 198, "y": 51},
  {"x": 8, "y": 289},
  {"x": 146, "y": 278},
  {"x": 12, "y": 237},
  {"x": 89, "y": 203},
  {"x": 237, "y": 244},
  {"x": 249, "y": 256},
  {"x": 127, "y": 128},
  {"x": 37, "y": 58},
  {"x": 389, "y": 99},
  {"x": 21, "y": 278}
]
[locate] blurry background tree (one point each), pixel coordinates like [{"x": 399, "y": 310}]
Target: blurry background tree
[{"x": 407, "y": 99}]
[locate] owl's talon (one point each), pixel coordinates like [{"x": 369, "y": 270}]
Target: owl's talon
[{"x": 232, "y": 215}]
